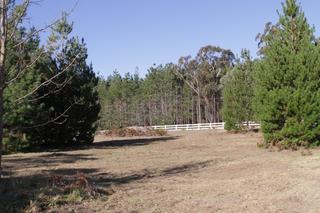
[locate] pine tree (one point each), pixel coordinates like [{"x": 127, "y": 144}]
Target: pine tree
[
  {"x": 102, "y": 91},
  {"x": 238, "y": 93},
  {"x": 71, "y": 113},
  {"x": 20, "y": 115},
  {"x": 287, "y": 92}
]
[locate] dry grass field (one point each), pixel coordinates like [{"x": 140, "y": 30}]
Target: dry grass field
[{"x": 201, "y": 171}]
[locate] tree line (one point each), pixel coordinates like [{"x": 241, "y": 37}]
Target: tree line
[
  {"x": 187, "y": 92},
  {"x": 280, "y": 88}
]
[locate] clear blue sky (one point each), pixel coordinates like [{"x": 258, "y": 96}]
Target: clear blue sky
[{"x": 125, "y": 34}]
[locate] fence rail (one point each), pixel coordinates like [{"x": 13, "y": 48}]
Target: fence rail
[{"x": 201, "y": 126}]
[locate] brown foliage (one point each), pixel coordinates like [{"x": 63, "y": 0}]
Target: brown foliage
[{"x": 133, "y": 132}]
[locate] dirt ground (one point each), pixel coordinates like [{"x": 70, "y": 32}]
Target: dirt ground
[{"x": 200, "y": 171}]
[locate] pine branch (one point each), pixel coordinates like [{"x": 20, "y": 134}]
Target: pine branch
[
  {"x": 19, "y": 17},
  {"x": 48, "y": 122},
  {"x": 49, "y": 81},
  {"x": 22, "y": 41},
  {"x": 24, "y": 69}
]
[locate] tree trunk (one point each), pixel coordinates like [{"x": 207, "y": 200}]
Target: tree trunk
[
  {"x": 218, "y": 107},
  {"x": 3, "y": 39},
  {"x": 192, "y": 105},
  {"x": 214, "y": 110},
  {"x": 208, "y": 109},
  {"x": 1, "y": 122},
  {"x": 150, "y": 116},
  {"x": 199, "y": 109}
]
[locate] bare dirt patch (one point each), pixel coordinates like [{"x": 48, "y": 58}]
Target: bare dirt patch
[{"x": 199, "y": 171}]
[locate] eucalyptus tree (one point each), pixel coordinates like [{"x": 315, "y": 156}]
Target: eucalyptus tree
[
  {"x": 203, "y": 75},
  {"x": 214, "y": 63}
]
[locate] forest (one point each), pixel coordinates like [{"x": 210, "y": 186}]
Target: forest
[
  {"x": 184, "y": 93},
  {"x": 279, "y": 88}
]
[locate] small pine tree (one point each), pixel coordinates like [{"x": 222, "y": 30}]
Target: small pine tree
[
  {"x": 71, "y": 112},
  {"x": 287, "y": 92},
  {"x": 238, "y": 93}
]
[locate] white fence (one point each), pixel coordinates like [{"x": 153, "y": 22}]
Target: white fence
[{"x": 202, "y": 126}]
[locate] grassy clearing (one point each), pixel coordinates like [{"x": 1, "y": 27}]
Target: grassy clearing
[{"x": 200, "y": 171}]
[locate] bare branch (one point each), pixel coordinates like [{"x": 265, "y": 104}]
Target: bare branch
[
  {"x": 45, "y": 27},
  {"x": 24, "y": 69},
  {"x": 191, "y": 85},
  {"x": 60, "y": 87},
  {"x": 19, "y": 17},
  {"x": 50, "y": 80},
  {"x": 50, "y": 121}
]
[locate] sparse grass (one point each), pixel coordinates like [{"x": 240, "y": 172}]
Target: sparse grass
[
  {"x": 188, "y": 171},
  {"x": 306, "y": 152},
  {"x": 52, "y": 193}
]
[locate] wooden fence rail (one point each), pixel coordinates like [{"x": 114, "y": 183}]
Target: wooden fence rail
[{"x": 201, "y": 126}]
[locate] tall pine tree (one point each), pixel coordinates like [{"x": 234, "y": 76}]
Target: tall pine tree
[
  {"x": 287, "y": 92},
  {"x": 238, "y": 93}
]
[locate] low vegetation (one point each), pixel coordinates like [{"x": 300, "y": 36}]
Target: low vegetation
[
  {"x": 133, "y": 131},
  {"x": 50, "y": 193}
]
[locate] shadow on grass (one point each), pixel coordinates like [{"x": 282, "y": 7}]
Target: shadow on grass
[
  {"x": 109, "y": 143},
  {"x": 54, "y": 159},
  {"x": 130, "y": 142},
  {"x": 17, "y": 192},
  {"x": 62, "y": 156},
  {"x": 106, "y": 179}
]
